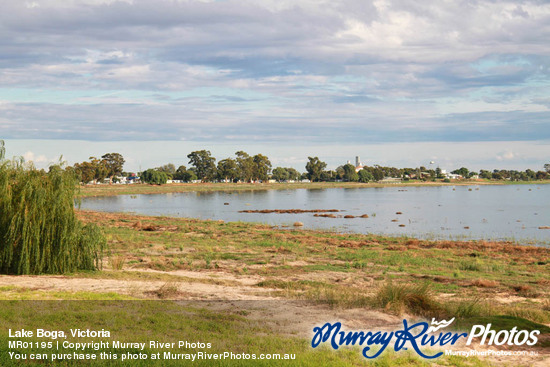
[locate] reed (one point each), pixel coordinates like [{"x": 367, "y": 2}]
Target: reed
[{"x": 39, "y": 232}]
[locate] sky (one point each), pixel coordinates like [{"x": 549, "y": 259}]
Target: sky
[{"x": 399, "y": 83}]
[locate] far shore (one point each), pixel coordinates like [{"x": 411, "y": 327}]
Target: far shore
[{"x": 134, "y": 189}]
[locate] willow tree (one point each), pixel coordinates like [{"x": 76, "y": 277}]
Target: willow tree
[{"x": 39, "y": 231}]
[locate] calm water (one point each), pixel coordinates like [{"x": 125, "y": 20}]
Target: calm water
[{"x": 511, "y": 212}]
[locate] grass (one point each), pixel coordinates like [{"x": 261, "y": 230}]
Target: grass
[
  {"x": 151, "y": 276},
  {"x": 401, "y": 276},
  {"x": 454, "y": 267},
  {"x": 16, "y": 293},
  {"x": 320, "y": 292},
  {"x": 116, "y": 262},
  {"x": 416, "y": 299},
  {"x": 167, "y": 321}
]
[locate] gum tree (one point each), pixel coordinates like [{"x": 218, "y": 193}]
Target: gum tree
[
  {"x": 204, "y": 163},
  {"x": 314, "y": 168}
]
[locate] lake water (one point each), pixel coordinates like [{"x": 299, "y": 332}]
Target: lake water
[{"x": 503, "y": 212}]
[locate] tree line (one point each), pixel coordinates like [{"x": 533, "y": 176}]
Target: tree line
[
  {"x": 96, "y": 170},
  {"x": 258, "y": 168}
]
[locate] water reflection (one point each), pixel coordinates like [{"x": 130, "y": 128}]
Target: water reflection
[{"x": 490, "y": 212}]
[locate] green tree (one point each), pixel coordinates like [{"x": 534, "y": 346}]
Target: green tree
[
  {"x": 227, "y": 170},
  {"x": 181, "y": 174},
  {"x": 154, "y": 177},
  {"x": 485, "y": 174},
  {"x": 184, "y": 174},
  {"x": 204, "y": 163},
  {"x": 376, "y": 172},
  {"x": 280, "y": 174},
  {"x": 542, "y": 175},
  {"x": 39, "y": 230},
  {"x": 293, "y": 174},
  {"x": 169, "y": 169},
  {"x": 85, "y": 171},
  {"x": 496, "y": 175},
  {"x": 94, "y": 170},
  {"x": 113, "y": 162},
  {"x": 463, "y": 171},
  {"x": 547, "y": 167},
  {"x": 245, "y": 164},
  {"x": 349, "y": 173},
  {"x": 327, "y": 176},
  {"x": 101, "y": 171},
  {"x": 314, "y": 168},
  {"x": 365, "y": 176},
  {"x": 340, "y": 172},
  {"x": 531, "y": 174},
  {"x": 190, "y": 176},
  {"x": 262, "y": 167}
]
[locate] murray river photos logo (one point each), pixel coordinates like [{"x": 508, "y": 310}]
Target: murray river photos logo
[{"x": 419, "y": 336}]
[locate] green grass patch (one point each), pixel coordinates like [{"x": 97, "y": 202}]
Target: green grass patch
[{"x": 415, "y": 299}]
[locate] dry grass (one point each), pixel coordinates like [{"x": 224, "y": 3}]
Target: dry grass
[
  {"x": 484, "y": 283},
  {"x": 414, "y": 299},
  {"x": 526, "y": 291},
  {"x": 344, "y": 270},
  {"x": 117, "y": 262},
  {"x": 168, "y": 290}
]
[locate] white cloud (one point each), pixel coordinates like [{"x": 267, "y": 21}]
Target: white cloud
[
  {"x": 31, "y": 157},
  {"x": 507, "y": 156},
  {"x": 332, "y": 71}
]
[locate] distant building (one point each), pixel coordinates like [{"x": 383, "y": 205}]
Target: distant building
[
  {"x": 358, "y": 165},
  {"x": 453, "y": 176}
]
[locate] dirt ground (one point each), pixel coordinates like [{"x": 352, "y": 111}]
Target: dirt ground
[{"x": 238, "y": 293}]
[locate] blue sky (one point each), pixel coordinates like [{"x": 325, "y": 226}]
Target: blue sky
[{"x": 402, "y": 83}]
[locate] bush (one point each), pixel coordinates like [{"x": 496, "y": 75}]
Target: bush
[{"x": 39, "y": 232}]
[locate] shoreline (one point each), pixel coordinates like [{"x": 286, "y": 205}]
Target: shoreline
[
  {"x": 145, "y": 189},
  {"x": 99, "y": 191},
  {"x": 395, "y": 237}
]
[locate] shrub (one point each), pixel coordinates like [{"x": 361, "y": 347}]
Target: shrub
[{"x": 39, "y": 232}]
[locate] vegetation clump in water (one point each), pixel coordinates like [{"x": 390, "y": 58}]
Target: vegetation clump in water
[{"x": 39, "y": 232}]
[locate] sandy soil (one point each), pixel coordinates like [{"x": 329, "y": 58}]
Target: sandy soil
[
  {"x": 290, "y": 316},
  {"x": 284, "y": 316}
]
